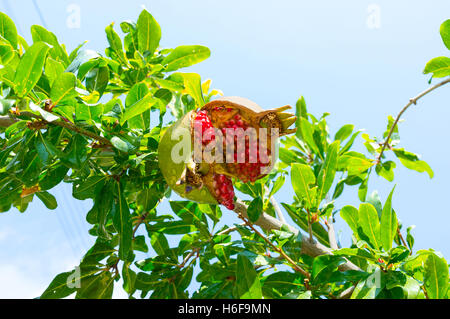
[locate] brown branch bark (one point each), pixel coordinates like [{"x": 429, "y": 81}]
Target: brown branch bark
[
  {"x": 8, "y": 120},
  {"x": 311, "y": 248}
]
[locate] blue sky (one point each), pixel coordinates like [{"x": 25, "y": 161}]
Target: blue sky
[{"x": 270, "y": 52}]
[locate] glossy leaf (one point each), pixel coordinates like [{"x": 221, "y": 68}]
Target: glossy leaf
[
  {"x": 370, "y": 224},
  {"x": 63, "y": 88},
  {"x": 122, "y": 222},
  {"x": 445, "y": 33},
  {"x": 439, "y": 67},
  {"x": 411, "y": 161},
  {"x": 57, "y": 52},
  {"x": 30, "y": 68},
  {"x": 8, "y": 30},
  {"x": 255, "y": 209},
  {"x": 389, "y": 225},
  {"x": 48, "y": 199},
  {"x": 302, "y": 178},
  {"x": 350, "y": 215},
  {"x": 328, "y": 170},
  {"x": 184, "y": 56},
  {"x": 138, "y": 108},
  {"x": 149, "y": 33},
  {"x": 247, "y": 281},
  {"x": 436, "y": 277}
]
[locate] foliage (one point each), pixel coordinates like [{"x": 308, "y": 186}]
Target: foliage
[{"x": 95, "y": 120}]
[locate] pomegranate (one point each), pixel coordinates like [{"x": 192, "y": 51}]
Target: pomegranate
[{"x": 228, "y": 138}]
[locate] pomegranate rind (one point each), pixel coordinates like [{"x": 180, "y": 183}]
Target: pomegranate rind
[{"x": 171, "y": 170}]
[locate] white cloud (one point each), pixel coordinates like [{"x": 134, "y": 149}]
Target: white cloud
[{"x": 18, "y": 284}]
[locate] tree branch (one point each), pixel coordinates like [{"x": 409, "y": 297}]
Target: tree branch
[
  {"x": 411, "y": 102},
  {"x": 276, "y": 207},
  {"x": 8, "y": 120},
  {"x": 311, "y": 248},
  {"x": 332, "y": 234},
  {"x": 277, "y": 249}
]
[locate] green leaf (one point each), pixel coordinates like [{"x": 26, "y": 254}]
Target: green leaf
[
  {"x": 45, "y": 149},
  {"x": 388, "y": 225},
  {"x": 49, "y": 117},
  {"x": 280, "y": 284},
  {"x": 184, "y": 56},
  {"x": 300, "y": 112},
  {"x": 39, "y": 33},
  {"x": 411, "y": 161},
  {"x": 147, "y": 200},
  {"x": 59, "y": 288},
  {"x": 8, "y": 29},
  {"x": 139, "y": 244},
  {"x": 362, "y": 190},
  {"x": 386, "y": 170},
  {"x": 89, "y": 187},
  {"x": 440, "y": 67},
  {"x": 302, "y": 177},
  {"x": 138, "y": 92},
  {"x": 355, "y": 252},
  {"x": 375, "y": 200},
  {"x": 370, "y": 224},
  {"x": 344, "y": 132},
  {"x": 247, "y": 281},
  {"x": 398, "y": 254},
  {"x": 75, "y": 154},
  {"x": 445, "y": 33},
  {"x": 53, "y": 69},
  {"x": 63, "y": 88},
  {"x": 409, "y": 237},
  {"x": 82, "y": 57},
  {"x": 436, "y": 277},
  {"x": 122, "y": 222},
  {"x": 149, "y": 33},
  {"x": 88, "y": 112},
  {"x": 355, "y": 163},
  {"x": 301, "y": 219},
  {"x": 350, "y": 215},
  {"x": 255, "y": 209},
  {"x": 193, "y": 86},
  {"x": 328, "y": 171},
  {"x": 115, "y": 43},
  {"x": 53, "y": 177},
  {"x": 48, "y": 199},
  {"x": 129, "y": 278},
  {"x": 99, "y": 286},
  {"x": 324, "y": 266},
  {"x": 97, "y": 80},
  {"x": 138, "y": 108},
  {"x": 307, "y": 133},
  {"x": 122, "y": 144},
  {"x": 30, "y": 68},
  {"x": 159, "y": 243}
]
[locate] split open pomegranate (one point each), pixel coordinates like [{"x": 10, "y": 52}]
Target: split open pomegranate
[{"x": 228, "y": 138}]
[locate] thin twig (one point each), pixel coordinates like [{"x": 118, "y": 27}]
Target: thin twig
[
  {"x": 229, "y": 230},
  {"x": 277, "y": 249},
  {"x": 411, "y": 102},
  {"x": 6, "y": 121},
  {"x": 425, "y": 292},
  {"x": 189, "y": 256},
  {"x": 401, "y": 237}
]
